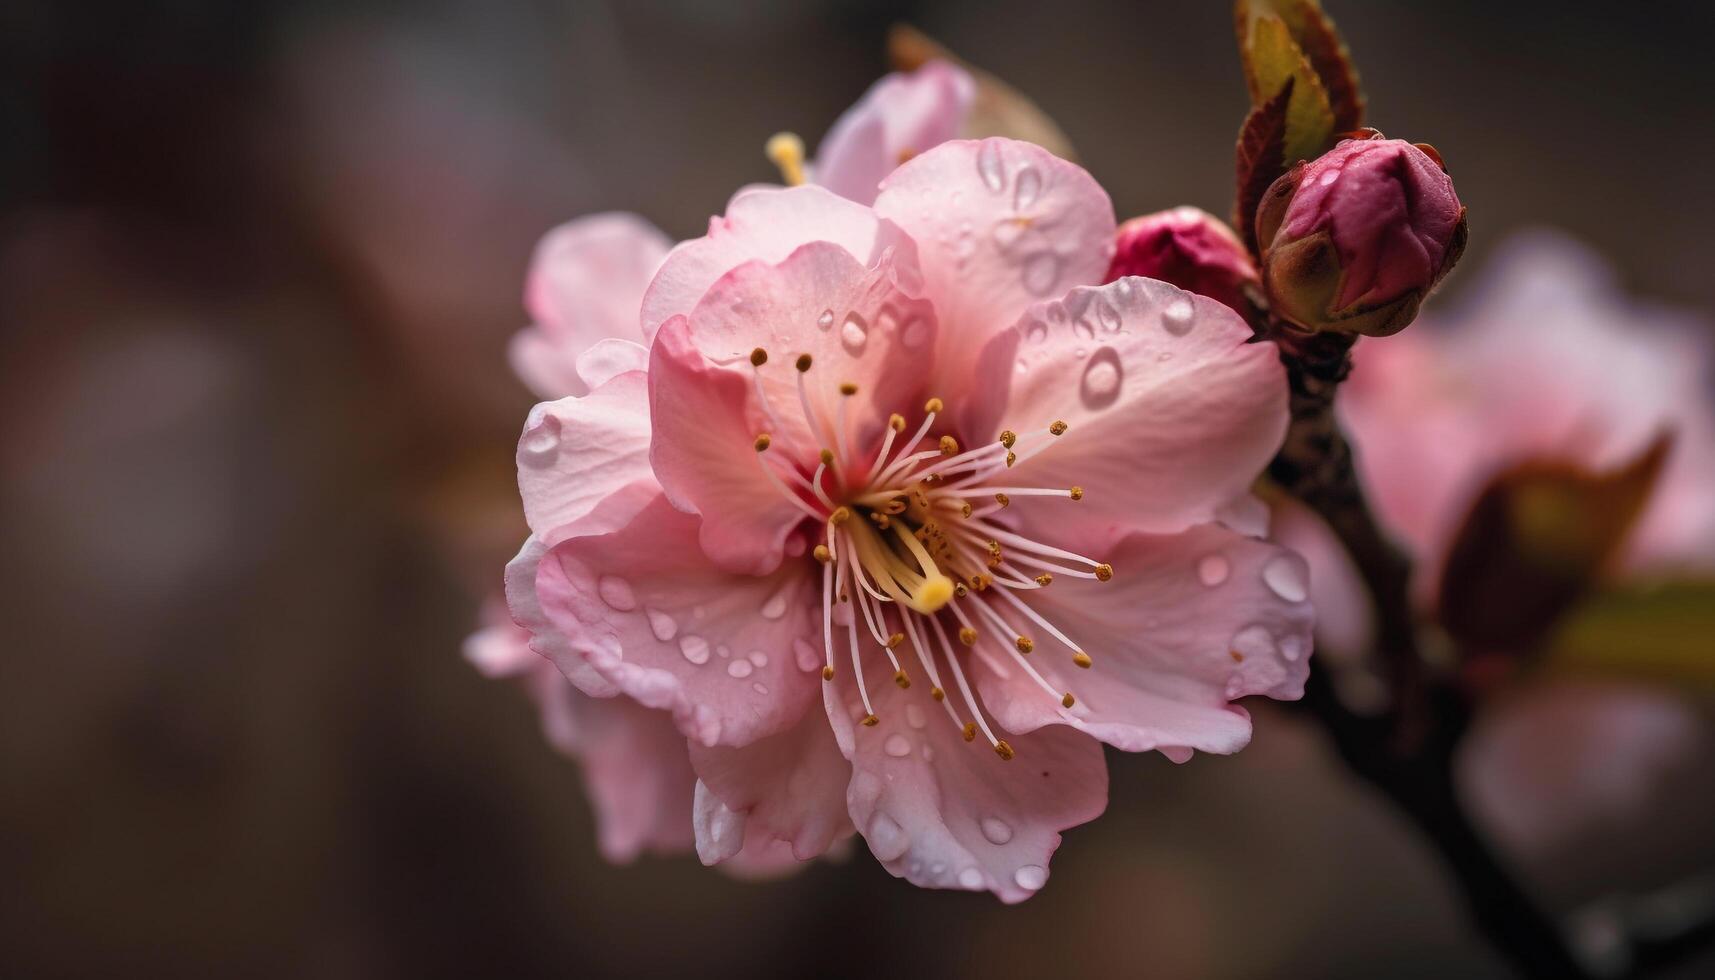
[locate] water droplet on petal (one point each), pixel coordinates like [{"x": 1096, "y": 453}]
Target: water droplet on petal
[
  {"x": 1027, "y": 187},
  {"x": 1213, "y": 570},
  {"x": 662, "y": 625},
  {"x": 757, "y": 657},
  {"x": 1108, "y": 316},
  {"x": 989, "y": 166},
  {"x": 1035, "y": 332},
  {"x": 775, "y": 607},
  {"x": 759, "y": 687},
  {"x": 971, "y": 878},
  {"x": 826, "y": 320},
  {"x": 1285, "y": 575},
  {"x": 807, "y": 656},
  {"x": 542, "y": 443},
  {"x": 1041, "y": 273},
  {"x": 616, "y": 592},
  {"x": 1177, "y": 318},
  {"x": 695, "y": 648},
  {"x": 723, "y": 651},
  {"x": 739, "y": 668},
  {"x": 1082, "y": 330},
  {"x": 897, "y": 745},
  {"x": 1254, "y": 643},
  {"x": 1031, "y": 877},
  {"x": 854, "y": 334},
  {"x": 1292, "y": 646},
  {"x": 1006, "y": 232},
  {"x": 914, "y": 716},
  {"x": 1100, "y": 386},
  {"x": 915, "y": 332},
  {"x": 887, "y": 840},
  {"x": 997, "y": 831}
]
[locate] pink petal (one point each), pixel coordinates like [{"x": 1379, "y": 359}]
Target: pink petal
[
  {"x": 1189, "y": 622},
  {"x": 703, "y": 453},
  {"x": 902, "y": 115},
  {"x": 1345, "y": 619},
  {"x": 945, "y": 813},
  {"x": 547, "y": 369},
  {"x": 999, "y": 224},
  {"x": 586, "y": 283},
  {"x": 791, "y": 785},
  {"x": 854, "y": 322},
  {"x": 767, "y": 224},
  {"x": 657, "y": 620},
  {"x": 577, "y": 451},
  {"x": 1172, "y": 413},
  {"x": 544, "y": 639},
  {"x": 610, "y": 358},
  {"x": 636, "y": 772}
]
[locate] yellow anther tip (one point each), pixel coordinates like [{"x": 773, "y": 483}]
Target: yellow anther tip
[
  {"x": 1082, "y": 659},
  {"x": 1076, "y": 493},
  {"x": 1001, "y": 498},
  {"x": 949, "y": 446},
  {"x": 758, "y": 357},
  {"x": 840, "y": 516},
  {"x": 1011, "y": 457},
  {"x": 1045, "y": 579},
  {"x": 1058, "y": 428},
  {"x": 1068, "y": 700},
  {"x": 937, "y": 694},
  {"x": 936, "y": 592},
  {"x": 896, "y": 422},
  {"x": 902, "y": 680},
  {"x": 968, "y": 636},
  {"x": 970, "y": 731},
  {"x": 804, "y": 362},
  {"x": 1025, "y": 644},
  {"x": 786, "y": 151},
  {"x": 822, "y": 554},
  {"x": 1104, "y": 572},
  {"x": 1002, "y": 749},
  {"x": 827, "y": 457},
  {"x": 1008, "y": 438},
  {"x": 894, "y": 640},
  {"x": 827, "y": 673},
  {"x": 870, "y": 721},
  {"x": 934, "y": 405},
  {"x": 848, "y": 388},
  {"x": 763, "y": 442}
]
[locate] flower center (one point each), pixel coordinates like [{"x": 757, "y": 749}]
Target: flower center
[{"x": 913, "y": 546}]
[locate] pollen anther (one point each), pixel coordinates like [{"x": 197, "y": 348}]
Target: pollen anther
[
  {"x": 763, "y": 442},
  {"x": 1082, "y": 659},
  {"x": 1008, "y": 438},
  {"x": 848, "y": 388},
  {"x": 949, "y": 446},
  {"x": 1002, "y": 749},
  {"x": 1104, "y": 572},
  {"x": 1076, "y": 493},
  {"x": 968, "y": 636},
  {"x": 1058, "y": 428},
  {"x": 804, "y": 362},
  {"x": 758, "y": 357},
  {"x": 1025, "y": 644},
  {"x": 933, "y": 405}
]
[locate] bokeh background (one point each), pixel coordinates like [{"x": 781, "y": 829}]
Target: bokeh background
[{"x": 258, "y": 264}]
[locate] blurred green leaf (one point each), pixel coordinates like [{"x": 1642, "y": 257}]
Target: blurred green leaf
[{"x": 1664, "y": 632}]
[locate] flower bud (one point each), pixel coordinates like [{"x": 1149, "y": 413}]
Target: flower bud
[
  {"x": 1353, "y": 240},
  {"x": 1188, "y": 247}
]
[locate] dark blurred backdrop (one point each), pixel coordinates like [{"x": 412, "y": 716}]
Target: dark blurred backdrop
[{"x": 258, "y": 264}]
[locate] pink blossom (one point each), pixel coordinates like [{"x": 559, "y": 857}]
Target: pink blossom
[
  {"x": 1188, "y": 247},
  {"x": 805, "y": 533},
  {"x": 1545, "y": 359},
  {"x": 902, "y": 115}
]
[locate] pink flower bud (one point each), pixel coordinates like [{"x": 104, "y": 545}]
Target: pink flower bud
[
  {"x": 1353, "y": 240},
  {"x": 1188, "y": 247}
]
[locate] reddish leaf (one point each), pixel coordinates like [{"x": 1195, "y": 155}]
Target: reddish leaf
[{"x": 1261, "y": 158}]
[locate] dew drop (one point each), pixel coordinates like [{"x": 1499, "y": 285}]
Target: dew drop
[
  {"x": 1284, "y": 574},
  {"x": 542, "y": 443},
  {"x": 1027, "y": 187},
  {"x": 1213, "y": 570},
  {"x": 1108, "y": 316},
  {"x": 914, "y": 716},
  {"x": 1329, "y": 178},
  {"x": 1035, "y": 332},
  {"x": 775, "y": 607},
  {"x": 989, "y": 166},
  {"x": 1292, "y": 647},
  {"x": 723, "y": 651},
  {"x": 695, "y": 648},
  {"x": 1023, "y": 366},
  {"x": 1100, "y": 386},
  {"x": 928, "y": 753},
  {"x": 854, "y": 334},
  {"x": 1006, "y": 232},
  {"x": 915, "y": 332},
  {"x": 887, "y": 840},
  {"x": 1041, "y": 273},
  {"x": 616, "y": 592},
  {"x": 757, "y": 657},
  {"x": 662, "y": 625},
  {"x": 806, "y": 655},
  {"x": 739, "y": 668},
  {"x": 997, "y": 831},
  {"x": 759, "y": 687},
  {"x": 897, "y": 745},
  {"x": 1177, "y": 318},
  {"x": 826, "y": 320},
  {"x": 1031, "y": 877},
  {"x": 971, "y": 878}
]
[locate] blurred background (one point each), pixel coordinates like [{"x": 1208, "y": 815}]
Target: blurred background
[{"x": 258, "y": 266}]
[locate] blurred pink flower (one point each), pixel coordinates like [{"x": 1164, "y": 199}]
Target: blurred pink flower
[
  {"x": 902, "y": 115},
  {"x": 732, "y": 533},
  {"x": 1544, "y": 359}
]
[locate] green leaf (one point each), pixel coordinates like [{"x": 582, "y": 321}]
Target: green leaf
[
  {"x": 1315, "y": 35},
  {"x": 1272, "y": 61},
  {"x": 1663, "y": 632}
]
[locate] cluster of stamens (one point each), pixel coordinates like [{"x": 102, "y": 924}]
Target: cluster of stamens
[{"x": 912, "y": 541}]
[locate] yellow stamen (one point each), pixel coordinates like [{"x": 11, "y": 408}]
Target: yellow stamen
[
  {"x": 902, "y": 680},
  {"x": 1025, "y": 644},
  {"x": 1082, "y": 659},
  {"x": 1001, "y": 498},
  {"x": 786, "y": 151},
  {"x": 1011, "y": 458},
  {"x": 822, "y": 554},
  {"x": 937, "y": 694},
  {"x": 1058, "y": 427},
  {"x": 870, "y": 721},
  {"x": 949, "y": 446},
  {"x": 1044, "y": 579},
  {"x": 967, "y": 636},
  {"x": 933, "y": 405},
  {"x": 1076, "y": 493},
  {"x": 827, "y": 673},
  {"x": 848, "y": 388},
  {"x": 894, "y": 641},
  {"x": 896, "y": 422},
  {"x": 758, "y": 357},
  {"x": 1008, "y": 438},
  {"x": 1003, "y": 750},
  {"x": 762, "y": 442},
  {"x": 827, "y": 457},
  {"x": 840, "y": 516},
  {"x": 1068, "y": 700},
  {"x": 970, "y": 731},
  {"x": 1104, "y": 572}
]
